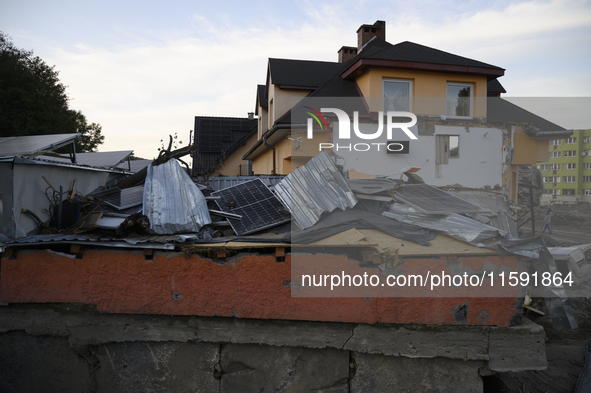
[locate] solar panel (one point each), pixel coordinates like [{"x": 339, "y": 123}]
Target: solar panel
[
  {"x": 429, "y": 199},
  {"x": 122, "y": 199},
  {"x": 31, "y": 144},
  {"x": 255, "y": 202},
  {"x": 106, "y": 159}
]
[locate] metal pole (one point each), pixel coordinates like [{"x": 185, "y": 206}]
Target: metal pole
[
  {"x": 531, "y": 205},
  {"x": 59, "y": 209}
]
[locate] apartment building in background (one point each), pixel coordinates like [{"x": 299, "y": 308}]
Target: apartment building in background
[{"x": 567, "y": 173}]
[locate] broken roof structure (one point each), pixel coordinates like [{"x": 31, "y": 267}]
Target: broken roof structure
[
  {"x": 254, "y": 248},
  {"x": 176, "y": 213}
]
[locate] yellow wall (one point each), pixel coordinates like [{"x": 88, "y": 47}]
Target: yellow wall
[
  {"x": 281, "y": 100},
  {"x": 286, "y": 157},
  {"x": 231, "y": 165},
  {"x": 528, "y": 151},
  {"x": 542, "y": 148},
  {"x": 263, "y": 121},
  {"x": 429, "y": 90},
  {"x": 510, "y": 180}
]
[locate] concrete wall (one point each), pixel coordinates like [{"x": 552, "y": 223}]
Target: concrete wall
[{"x": 70, "y": 348}]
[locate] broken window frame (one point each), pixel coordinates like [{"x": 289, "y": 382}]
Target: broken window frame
[{"x": 443, "y": 148}]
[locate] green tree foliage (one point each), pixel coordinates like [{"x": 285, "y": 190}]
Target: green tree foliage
[
  {"x": 33, "y": 101},
  {"x": 91, "y": 135}
]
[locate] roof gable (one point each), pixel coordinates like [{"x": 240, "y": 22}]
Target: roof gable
[
  {"x": 409, "y": 51},
  {"x": 409, "y": 55}
]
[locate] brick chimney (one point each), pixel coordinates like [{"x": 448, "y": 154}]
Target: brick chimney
[
  {"x": 367, "y": 32},
  {"x": 346, "y": 53}
]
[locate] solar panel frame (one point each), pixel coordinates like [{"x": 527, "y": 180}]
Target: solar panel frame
[
  {"x": 32, "y": 144},
  {"x": 431, "y": 200},
  {"x": 256, "y": 203},
  {"x": 122, "y": 199},
  {"x": 107, "y": 159}
]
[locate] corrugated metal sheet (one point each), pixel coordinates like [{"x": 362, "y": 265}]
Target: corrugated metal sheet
[
  {"x": 454, "y": 225},
  {"x": 222, "y": 182},
  {"x": 164, "y": 242},
  {"x": 313, "y": 189},
  {"x": 44, "y": 160},
  {"x": 172, "y": 202}
]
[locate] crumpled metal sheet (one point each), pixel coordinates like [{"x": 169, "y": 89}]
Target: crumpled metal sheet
[
  {"x": 165, "y": 242},
  {"x": 313, "y": 189},
  {"x": 482, "y": 235},
  {"x": 557, "y": 301},
  {"x": 172, "y": 202},
  {"x": 453, "y": 225}
]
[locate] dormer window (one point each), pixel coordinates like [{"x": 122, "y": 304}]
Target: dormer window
[
  {"x": 459, "y": 100},
  {"x": 397, "y": 95}
]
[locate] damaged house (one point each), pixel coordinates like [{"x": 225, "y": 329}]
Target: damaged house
[
  {"x": 301, "y": 284},
  {"x": 461, "y": 120}
]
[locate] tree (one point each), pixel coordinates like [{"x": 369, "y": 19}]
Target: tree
[
  {"x": 91, "y": 135},
  {"x": 33, "y": 101}
]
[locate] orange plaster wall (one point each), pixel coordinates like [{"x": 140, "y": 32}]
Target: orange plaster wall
[{"x": 248, "y": 286}]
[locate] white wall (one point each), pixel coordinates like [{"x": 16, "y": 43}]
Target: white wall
[
  {"x": 479, "y": 164},
  {"x": 29, "y": 190}
]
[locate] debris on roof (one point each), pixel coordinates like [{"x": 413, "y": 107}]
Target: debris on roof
[
  {"x": 134, "y": 166},
  {"x": 255, "y": 203},
  {"x": 313, "y": 189},
  {"x": 452, "y": 224},
  {"x": 431, "y": 200},
  {"x": 573, "y": 256},
  {"x": 172, "y": 202},
  {"x": 121, "y": 199}
]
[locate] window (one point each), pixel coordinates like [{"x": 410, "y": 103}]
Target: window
[
  {"x": 587, "y": 165},
  {"x": 551, "y": 179},
  {"x": 568, "y": 191},
  {"x": 569, "y": 166},
  {"x": 569, "y": 153},
  {"x": 586, "y": 179},
  {"x": 570, "y": 141},
  {"x": 554, "y": 154},
  {"x": 446, "y": 147},
  {"x": 397, "y": 95},
  {"x": 459, "y": 100},
  {"x": 568, "y": 179},
  {"x": 555, "y": 142},
  {"x": 553, "y": 191},
  {"x": 586, "y": 192}
]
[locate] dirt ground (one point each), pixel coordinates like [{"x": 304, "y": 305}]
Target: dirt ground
[{"x": 571, "y": 225}]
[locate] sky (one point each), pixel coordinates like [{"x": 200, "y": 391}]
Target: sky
[{"x": 145, "y": 69}]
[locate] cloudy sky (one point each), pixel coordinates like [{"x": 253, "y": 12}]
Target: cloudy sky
[{"x": 145, "y": 69}]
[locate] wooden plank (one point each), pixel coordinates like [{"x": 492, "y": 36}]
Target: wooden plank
[{"x": 351, "y": 236}]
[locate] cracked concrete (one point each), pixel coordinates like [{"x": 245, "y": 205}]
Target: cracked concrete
[{"x": 70, "y": 348}]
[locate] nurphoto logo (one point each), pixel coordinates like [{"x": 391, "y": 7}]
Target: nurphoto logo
[{"x": 344, "y": 123}]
